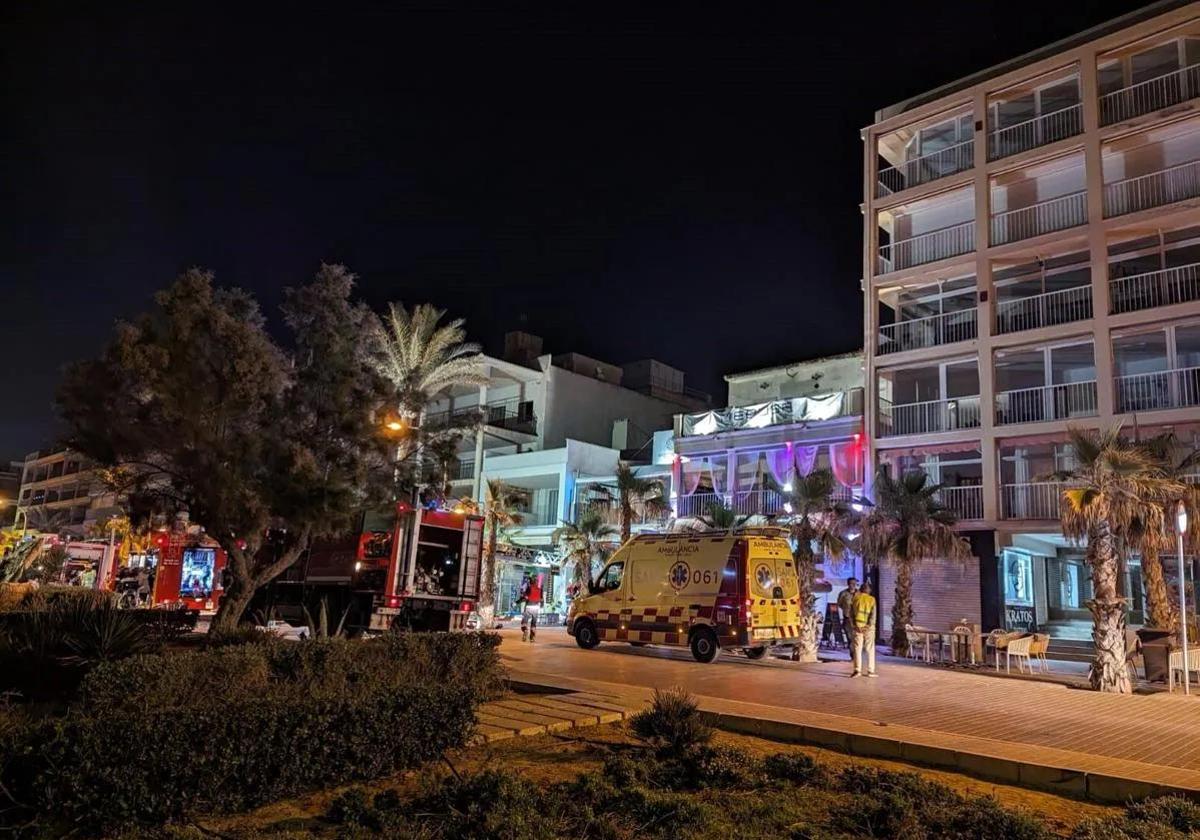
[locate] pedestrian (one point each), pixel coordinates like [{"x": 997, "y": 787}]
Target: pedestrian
[
  {"x": 862, "y": 612},
  {"x": 531, "y": 594},
  {"x": 844, "y": 599}
]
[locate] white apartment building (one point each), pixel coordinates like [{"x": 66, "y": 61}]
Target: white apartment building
[
  {"x": 59, "y": 492},
  {"x": 1032, "y": 262}
]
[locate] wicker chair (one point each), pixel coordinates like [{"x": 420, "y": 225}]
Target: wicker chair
[
  {"x": 1022, "y": 650},
  {"x": 1041, "y": 644}
]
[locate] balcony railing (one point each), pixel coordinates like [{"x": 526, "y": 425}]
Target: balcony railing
[
  {"x": 1066, "y": 211},
  {"x": 462, "y": 469},
  {"x": 1150, "y": 96},
  {"x": 1155, "y": 288},
  {"x": 610, "y": 512},
  {"x": 1177, "y": 183},
  {"x": 774, "y": 413},
  {"x": 930, "y": 331},
  {"x": 965, "y": 502},
  {"x": 749, "y": 502},
  {"x": 930, "y": 416},
  {"x": 514, "y": 414},
  {"x": 1161, "y": 389},
  {"x": 1039, "y": 131},
  {"x": 1050, "y": 402},
  {"x": 927, "y": 247},
  {"x": 1045, "y": 310},
  {"x": 926, "y": 168},
  {"x": 1032, "y": 500}
]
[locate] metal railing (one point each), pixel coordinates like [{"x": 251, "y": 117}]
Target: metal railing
[
  {"x": 751, "y": 502},
  {"x": 774, "y": 413},
  {"x": 1060, "y": 213},
  {"x": 1176, "y": 183},
  {"x": 1045, "y": 310},
  {"x": 1049, "y": 402},
  {"x": 610, "y": 512},
  {"x": 928, "y": 247},
  {"x": 514, "y": 414},
  {"x": 1150, "y": 96},
  {"x": 1161, "y": 389},
  {"x": 1038, "y": 131},
  {"x": 926, "y": 168},
  {"x": 1155, "y": 288},
  {"x": 697, "y": 504},
  {"x": 462, "y": 469},
  {"x": 1031, "y": 500},
  {"x": 930, "y": 331},
  {"x": 929, "y": 416},
  {"x": 965, "y": 502}
]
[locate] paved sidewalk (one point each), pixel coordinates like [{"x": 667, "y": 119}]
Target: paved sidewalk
[{"x": 1141, "y": 741}]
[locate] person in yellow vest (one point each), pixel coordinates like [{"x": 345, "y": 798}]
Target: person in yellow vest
[{"x": 862, "y": 615}]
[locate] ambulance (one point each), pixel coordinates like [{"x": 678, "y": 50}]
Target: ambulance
[{"x": 709, "y": 591}]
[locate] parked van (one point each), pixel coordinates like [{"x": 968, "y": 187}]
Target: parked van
[{"x": 707, "y": 591}]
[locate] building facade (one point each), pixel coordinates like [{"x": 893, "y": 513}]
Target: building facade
[
  {"x": 1032, "y": 263},
  {"x": 60, "y": 492}
]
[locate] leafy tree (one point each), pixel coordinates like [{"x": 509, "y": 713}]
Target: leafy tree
[
  {"x": 906, "y": 526},
  {"x": 1116, "y": 490},
  {"x": 586, "y": 540},
  {"x": 195, "y": 404},
  {"x": 502, "y": 509},
  {"x": 818, "y": 524},
  {"x": 638, "y": 495}
]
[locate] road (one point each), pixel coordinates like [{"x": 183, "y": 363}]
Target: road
[{"x": 1156, "y": 730}]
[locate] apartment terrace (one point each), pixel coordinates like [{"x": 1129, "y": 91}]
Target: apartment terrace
[
  {"x": 1034, "y": 113},
  {"x": 1152, "y": 169},
  {"x": 1040, "y": 384},
  {"x": 926, "y": 230},
  {"x": 919, "y": 154},
  {"x": 1157, "y": 369},
  {"x": 774, "y": 413},
  {"x": 1149, "y": 75},
  {"x": 940, "y": 397},
  {"x": 928, "y": 315},
  {"x": 1038, "y": 199},
  {"x": 1149, "y": 270},
  {"x": 1043, "y": 293}
]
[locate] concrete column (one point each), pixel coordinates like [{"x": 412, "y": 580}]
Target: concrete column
[
  {"x": 870, "y": 312},
  {"x": 985, "y": 301},
  {"x": 477, "y": 489}
]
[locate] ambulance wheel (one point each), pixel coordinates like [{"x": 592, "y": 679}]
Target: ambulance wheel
[
  {"x": 756, "y": 653},
  {"x": 585, "y": 634},
  {"x": 704, "y": 644},
  {"x": 639, "y": 644}
]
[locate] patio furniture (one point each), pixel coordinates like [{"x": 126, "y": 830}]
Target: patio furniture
[
  {"x": 1176, "y": 664},
  {"x": 998, "y": 640},
  {"x": 962, "y": 640},
  {"x": 1037, "y": 650},
  {"x": 1021, "y": 650},
  {"x": 1133, "y": 653},
  {"x": 925, "y": 636}
]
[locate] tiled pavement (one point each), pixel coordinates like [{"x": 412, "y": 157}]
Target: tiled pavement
[
  {"x": 535, "y": 714},
  {"x": 1152, "y": 739}
]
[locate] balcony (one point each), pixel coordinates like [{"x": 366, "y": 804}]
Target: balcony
[
  {"x": 610, "y": 513},
  {"x": 964, "y": 502},
  {"x": 929, "y": 416},
  {"x": 927, "y": 247},
  {"x": 930, "y": 331},
  {"x": 1150, "y": 96},
  {"x": 1176, "y": 183},
  {"x": 1155, "y": 288},
  {"x": 1065, "y": 211},
  {"x": 462, "y": 470},
  {"x": 1032, "y": 500},
  {"x": 928, "y": 167},
  {"x": 1049, "y": 309},
  {"x": 1159, "y": 390},
  {"x": 512, "y": 414},
  {"x": 1050, "y": 402},
  {"x": 1039, "y": 131},
  {"x": 774, "y": 413}
]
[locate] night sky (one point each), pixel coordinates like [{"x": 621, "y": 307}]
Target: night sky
[{"x": 679, "y": 182}]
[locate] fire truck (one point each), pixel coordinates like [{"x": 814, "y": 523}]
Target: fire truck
[{"x": 406, "y": 566}]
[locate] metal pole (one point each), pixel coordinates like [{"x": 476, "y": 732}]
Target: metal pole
[{"x": 1183, "y": 626}]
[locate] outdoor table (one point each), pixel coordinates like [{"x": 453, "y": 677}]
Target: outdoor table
[
  {"x": 925, "y": 632},
  {"x": 962, "y": 645}
]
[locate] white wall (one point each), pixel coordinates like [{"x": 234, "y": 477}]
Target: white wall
[
  {"x": 838, "y": 373},
  {"x": 584, "y": 409}
]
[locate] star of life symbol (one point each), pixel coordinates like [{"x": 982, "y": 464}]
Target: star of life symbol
[{"x": 679, "y": 574}]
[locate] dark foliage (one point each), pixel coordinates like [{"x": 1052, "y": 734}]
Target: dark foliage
[{"x": 673, "y": 724}]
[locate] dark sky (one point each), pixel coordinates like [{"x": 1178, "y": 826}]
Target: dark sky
[{"x": 675, "y": 180}]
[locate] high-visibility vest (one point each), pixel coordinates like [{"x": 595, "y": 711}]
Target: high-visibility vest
[{"x": 862, "y": 607}]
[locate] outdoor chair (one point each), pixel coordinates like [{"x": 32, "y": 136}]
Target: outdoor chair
[
  {"x": 998, "y": 640},
  {"x": 1020, "y": 649},
  {"x": 1037, "y": 650},
  {"x": 1133, "y": 654},
  {"x": 963, "y": 635},
  {"x": 1175, "y": 663}
]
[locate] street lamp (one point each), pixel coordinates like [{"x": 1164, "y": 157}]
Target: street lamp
[{"x": 1181, "y": 523}]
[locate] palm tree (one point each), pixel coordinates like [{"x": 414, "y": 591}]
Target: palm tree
[
  {"x": 906, "y": 526},
  {"x": 818, "y": 524},
  {"x": 721, "y": 516},
  {"x": 636, "y": 494},
  {"x": 502, "y": 503},
  {"x": 585, "y": 540},
  {"x": 422, "y": 359},
  {"x": 1116, "y": 491}
]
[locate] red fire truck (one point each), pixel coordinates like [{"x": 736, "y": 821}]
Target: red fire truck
[{"x": 405, "y": 566}]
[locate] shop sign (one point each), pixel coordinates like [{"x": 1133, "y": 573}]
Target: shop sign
[{"x": 1018, "y": 617}]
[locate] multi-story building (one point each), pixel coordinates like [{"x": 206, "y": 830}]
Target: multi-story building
[
  {"x": 10, "y": 490},
  {"x": 1032, "y": 262},
  {"x": 60, "y": 492}
]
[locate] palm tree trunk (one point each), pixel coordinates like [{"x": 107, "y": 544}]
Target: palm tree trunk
[
  {"x": 1109, "y": 672},
  {"x": 626, "y": 519},
  {"x": 902, "y": 610},
  {"x": 1158, "y": 599},
  {"x": 487, "y": 584},
  {"x": 806, "y": 649}
]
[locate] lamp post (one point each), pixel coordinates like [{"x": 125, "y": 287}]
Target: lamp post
[{"x": 1181, "y": 522}]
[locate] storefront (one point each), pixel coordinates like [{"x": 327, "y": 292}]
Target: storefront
[{"x": 514, "y": 565}]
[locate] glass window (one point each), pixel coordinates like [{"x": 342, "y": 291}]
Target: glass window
[
  {"x": 1111, "y": 77},
  {"x": 1073, "y": 363},
  {"x": 962, "y": 379},
  {"x": 1187, "y": 346},
  {"x": 1191, "y": 51},
  {"x": 1154, "y": 62},
  {"x": 610, "y": 578},
  {"x": 1141, "y": 353},
  {"x": 1015, "y": 111},
  {"x": 1021, "y": 369},
  {"x": 1058, "y": 96}
]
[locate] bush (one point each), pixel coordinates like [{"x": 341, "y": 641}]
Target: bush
[
  {"x": 673, "y": 724},
  {"x": 50, "y": 597},
  {"x": 1163, "y": 818},
  {"x": 1179, "y": 813},
  {"x": 723, "y": 767},
  {"x": 797, "y": 768}
]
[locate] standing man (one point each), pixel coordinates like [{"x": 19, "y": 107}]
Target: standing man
[
  {"x": 531, "y": 594},
  {"x": 862, "y": 613},
  {"x": 844, "y": 599}
]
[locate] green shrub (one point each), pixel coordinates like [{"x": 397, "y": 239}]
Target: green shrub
[
  {"x": 673, "y": 724},
  {"x": 246, "y": 634},
  {"x": 1179, "y": 813},
  {"x": 1122, "y": 828},
  {"x": 722, "y": 767},
  {"x": 797, "y": 768},
  {"x": 49, "y": 597}
]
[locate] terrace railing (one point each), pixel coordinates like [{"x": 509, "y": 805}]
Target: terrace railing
[
  {"x": 1150, "y": 96},
  {"x": 1176, "y": 183},
  {"x": 1050, "y": 402},
  {"x": 927, "y": 247},
  {"x": 1155, "y": 288},
  {"x": 1031, "y": 500},
  {"x": 930, "y": 331},
  {"x": 1066, "y": 211},
  {"x": 929, "y": 167},
  {"x": 1045, "y": 310},
  {"x": 966, "y": 502},
  {"x": 929, "y": 416},
  {"x": 1158, "y": 390},
  {"x": 1038, "y": 131}
]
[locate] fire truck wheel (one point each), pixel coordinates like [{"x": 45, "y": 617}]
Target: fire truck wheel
[
  {"x": 704, "y": 644},
  {"x": 585, "y": 634},
  {"x": 756, "y": 653}
]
